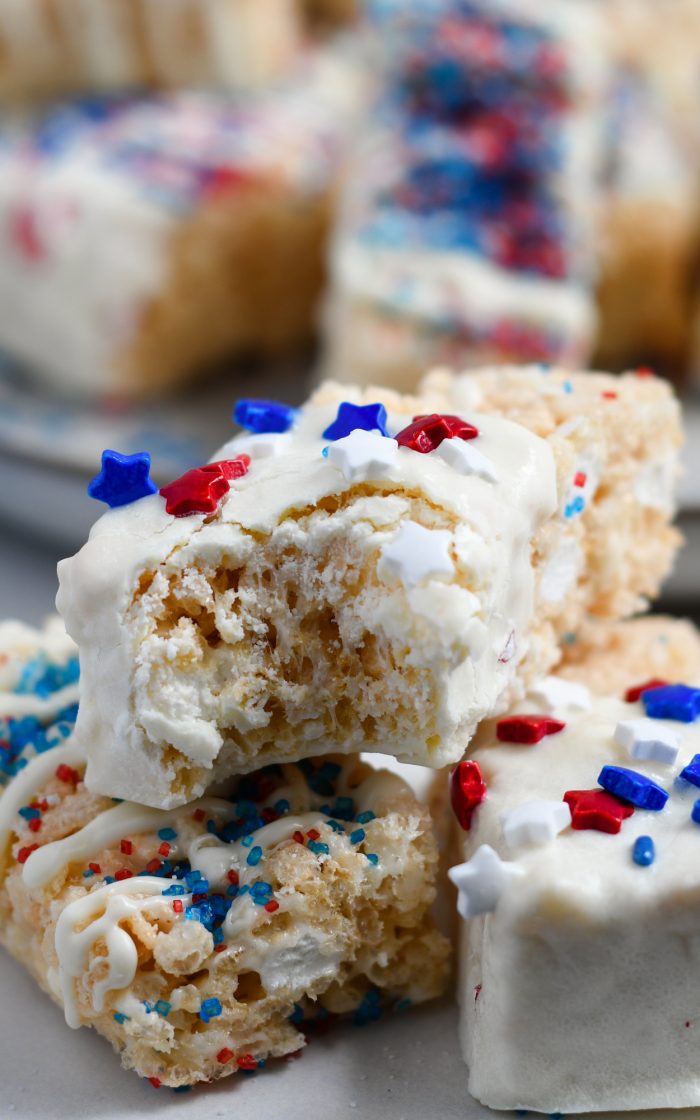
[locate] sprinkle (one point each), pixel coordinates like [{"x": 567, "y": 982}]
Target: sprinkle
[
  {"x": 695, "y": 813},
  {"x": 67, "y": 774},
  {"x": 123, "y": 479},
  {"x": 175, "y": 888},
  {"x": 122, "y": 874},
  {"x": 247, "y": 841},
  {"x": 254, "y": 856},
  {"x": 24, "y": 853},
  {"x": 29, "y": 813},
  {"x": 527, "y": 729},
  {"x": 357, "y": 836},
  {"x": 262, "y": 416},
  {"x": 298, "y": 836},
  {"x": 643, "y": 852},
  {"x": 35, "y": 825},
  {"x": 198, "y": 815},
  {"x": 247, "y": 1062},
  {"x": 192, "y": 878},
  {"x": 126, "y": 847},
  {"x": 415, "y": 554},
  {"x": 164, "y": 849},
  {"x": 318, "y": 848},
  {"x": 635, "y": 693},
  {"x": 163, "y": 1008},
  {"x": 233, "y": 877},
  {"x": 366, "y": 817},
  {"x": 554, "y": 692},
  {"x": 596, "y": 809},
  {"x": 674, "y": 701},
  {"x": 260, "y": 893},
  {"x": 691, "y": 772},
  {"x": 313, "y": 834},
  {"x": 282, "y": 806},
  {"x": 481, "y": 881},
  {"x": 363, "y": 456},
  {"x": 373, "y": 858},
  {"x": 152, "y": 866},
  {"x": 272, "y": 905},
  {"x": 467, "y": 791},
  {"x": 88, "y": 874},
  {"x": 426, "y": 433},
  {"x": 95, "y": 868},
  {"x": 200, "y": 490},
  {"x": 120, "y": 1017},
  {"x": 224, "y": 1055},
  {"x": 580, "y": 478},
  {"x": 535, "y": 822},
  {"x": 155, "y": 1082},
  {"x": 351, "y": 417},
  {"x": 609, "y": 395},
  {"x": 167, "y": 834},
  {"x": 636, "y": 788},
  {"x": 648, "y": 740},
  {"x": 178, "y": 905},
  {"x": 210, "y": 1009}
]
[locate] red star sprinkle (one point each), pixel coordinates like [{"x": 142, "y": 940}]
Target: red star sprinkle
[
  {"x": 467, "y": 791},
  {"x": 633, "y": 694},
  {"x": 200, "y": 490},
  {"x": 427, "y": 432},
  {"x": 527, "y": 729},
  {"x": 596, "y": 809}
]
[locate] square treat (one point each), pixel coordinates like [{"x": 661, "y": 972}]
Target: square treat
[
  {"x": 143, "y": 239},
  {"x": 201, "y": 942},
  {"x": 322, "y": 583},
  {"x": 581, "y": 892},
  {"x": 50, "y": 48},
  {"x": 466, "y": 232}
]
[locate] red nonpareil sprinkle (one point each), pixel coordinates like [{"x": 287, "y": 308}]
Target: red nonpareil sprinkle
[
  {"x": 224, "y": 1055},
  {"x": 527, "y": 729},
  {"x": 467, "y": 791},
  {"x": 155, "y": 1082},
  {"x": 269, "y": 815},
  {"x": 634, "y": 694},
  {"x": 153, "y": 865},
  {"x": 67, "y": 774},
  {"x": 43, "y": 805},
  {"x": 24, "y": 853},
  {"x": 177, "y": 905},
  {"x": 198, "y": 815},
  {"x": 233, "y": 877},
  {"x": 644, "y": 371},
  {"x": 609, "y": 395},
  {"x": 272, "y": 905},
  {"x": 246, "y": 1061},
  {"x": 220, "y": 948},
  {"x": 95, "y": 868},
  {"x": 35, "y": 824},
  {"x": 123, "y": 873},
  {"x": 126, "y": 847},
  {"x": 164, "y": 849},
  {"x": 580, "y": 478},
  {"x": 313, "y": 834},
  {"x": 198, "y": 897},
  {"x": 298, "y": 836}
]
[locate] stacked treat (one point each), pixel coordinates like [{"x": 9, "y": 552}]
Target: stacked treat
[{"x": 203, "y": 865}]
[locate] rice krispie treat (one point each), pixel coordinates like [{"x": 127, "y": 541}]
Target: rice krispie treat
[
  {"x": 144, "y": 239},
  {"x": 466, "y": 225},
  {"x": 200, "y": 941},
  {"x": 612, "y": 657},
  {"x": 580, "y": 892},
  {"x": 49, "y": 48},
  {"x": 372, "y": 578}
]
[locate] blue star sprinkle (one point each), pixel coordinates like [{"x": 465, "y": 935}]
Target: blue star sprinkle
[
  {"x": 673, "y": 701},
  {"x": 631, "y": 786},
  {"x": 123, "y": 479},
  {"x": 367, "y": 417},
  {"x": 691, "y": 772},
  {"x": 262, "y": 417}
]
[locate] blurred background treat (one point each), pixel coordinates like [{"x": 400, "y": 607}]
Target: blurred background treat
[{"x": 207, "y": 199}]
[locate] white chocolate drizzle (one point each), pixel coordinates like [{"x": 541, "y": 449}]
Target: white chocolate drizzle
[{"x": 26, "y": 784}]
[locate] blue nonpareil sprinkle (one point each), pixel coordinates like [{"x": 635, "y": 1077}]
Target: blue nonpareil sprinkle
[
  {"x": 261, "y": 893},
  {"x": 254, "y": 856},
  {"x": 167, "y": 834},
  {"x": 163, "y": 1008},
  {"x": 29, "y": 814},
  {"x": 357, "y": 836},
  {"x": 218, "y": 936},
  {"x": 344, "y": 808},
  {"x": 643, "y": 852},
  {"x": 336, "y": 826},
  {"x": 373, "y": 858},
  {"x": 88, "y": 873},
  {"x": 176, "y": 888},
  {"x": 192, "y": 878},
  {"x": 281, "y": 806},
  {"x": 366, "y": 817},
  {"x": 120, "y": 1017},
  {"x": 318, "y": 847},
  {"x": 210, "y": 1009},
  {"x": 201, "y": 886},
  {"x": 369, "y": 1009},
  {"x": 247, "y": 841},
  {"x": 297, "y": 1015},
  {"x": 232, "y": 891},
  {"x": 182, "y": 1088}
]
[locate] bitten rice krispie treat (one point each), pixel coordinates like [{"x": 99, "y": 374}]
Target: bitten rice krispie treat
[
  {"x": 201, "y": 941},
  {"x": 579, "y": 985},
  {"x": 466, "y": 226},
  {"x": 372, "y": 578},
  {"x": 49, "y": 48},
  {"x": 144, "y": 239}
]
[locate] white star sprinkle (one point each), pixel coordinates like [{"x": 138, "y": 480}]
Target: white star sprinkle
[
  {"x": 558, "y": 693},
  {"x": 467, "y": 459},
  {"x": 648, "y": 739},
  {"x": 363, "y": 456},
  {"x": 535, "y": 822},
  {"x": 265, "y": 445},
  {"x": 415, "y": 554},
  {"x": 481, "y": 881}
]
